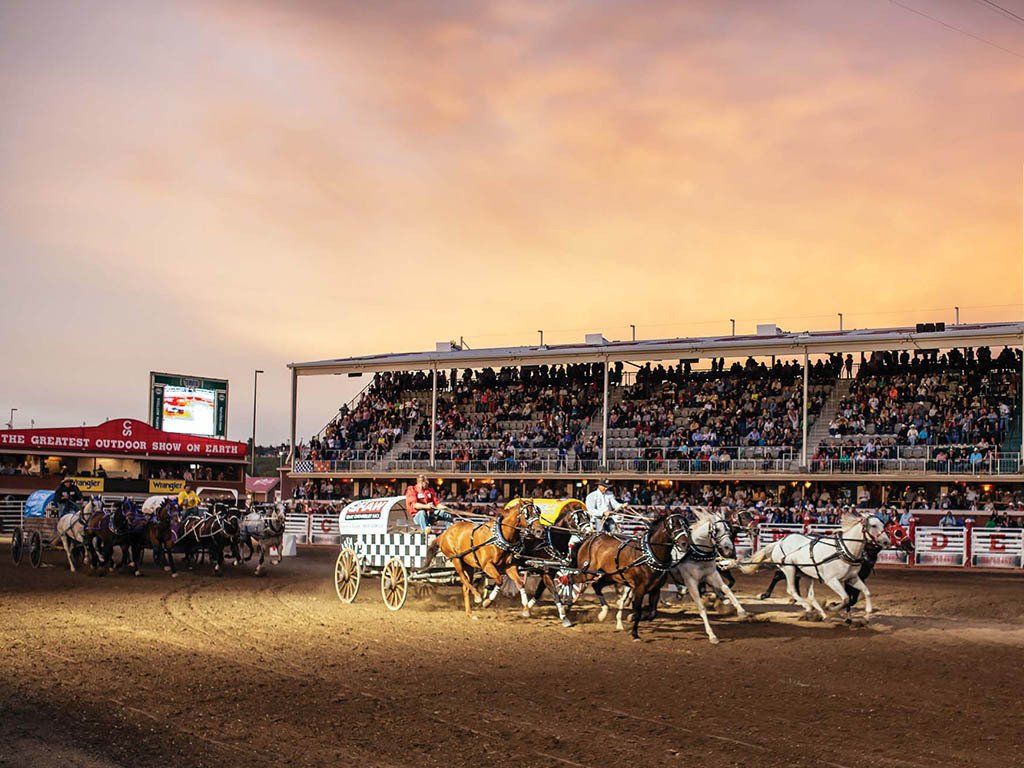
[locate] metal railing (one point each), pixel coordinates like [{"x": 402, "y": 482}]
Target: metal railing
[{"x": 1003, "y": 464}]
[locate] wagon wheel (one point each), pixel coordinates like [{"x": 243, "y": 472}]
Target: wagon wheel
[
  {"x": 346, "y": 575},
  {"x": 17, "y": 545},
  {"x": 394, "y": 584},
  {"x": 35, "y": 549}
]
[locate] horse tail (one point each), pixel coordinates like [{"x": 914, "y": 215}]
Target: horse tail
[{"x": 754, "y": 562}]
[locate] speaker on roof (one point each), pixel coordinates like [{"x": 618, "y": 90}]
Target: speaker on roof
[
  {"x": 920, "y": 327},
  {"x": 940, "y": 327}
]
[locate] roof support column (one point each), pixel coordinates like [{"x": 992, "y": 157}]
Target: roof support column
[
  {"x": 604, "y": 427},
  {"x": 803, "y": 417},
  {"x": 295, "y": 408},
  {"x": 1020, "y": 404},
  {"x": 433, "y": 415}
]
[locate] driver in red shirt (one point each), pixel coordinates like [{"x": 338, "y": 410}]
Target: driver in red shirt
[{"x": 423, "y": 503}]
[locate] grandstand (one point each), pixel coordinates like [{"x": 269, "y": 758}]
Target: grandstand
[{"x": 927, "y": 403}]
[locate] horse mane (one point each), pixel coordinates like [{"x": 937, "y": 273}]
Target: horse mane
[{"x": 850, "y": 519}]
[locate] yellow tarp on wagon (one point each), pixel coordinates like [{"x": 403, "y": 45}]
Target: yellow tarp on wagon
[{"x": 551, "y": 509}]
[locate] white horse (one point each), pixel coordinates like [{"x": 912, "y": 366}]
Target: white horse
[
  {"x": 71, "y": 528},
  {"x": 832, "y": 560},
  {"x": 710, "y": 539},
  {"x": 263, "y": 532}
]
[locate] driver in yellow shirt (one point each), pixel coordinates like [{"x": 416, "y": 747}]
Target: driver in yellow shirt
[{"x": 188, "y": 501}]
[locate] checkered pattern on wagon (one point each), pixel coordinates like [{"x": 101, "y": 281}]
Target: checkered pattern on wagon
[{"x": 377, "y": 548}]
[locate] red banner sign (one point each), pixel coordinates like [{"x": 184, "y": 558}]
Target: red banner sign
[{"x": 120, "y": 436}]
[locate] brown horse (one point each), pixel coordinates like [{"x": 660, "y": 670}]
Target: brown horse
[
  {"x": 490, "y": 548},
  {"x": 640, "y": 564}
]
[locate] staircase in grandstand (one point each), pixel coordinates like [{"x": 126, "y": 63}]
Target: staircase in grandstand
[{"x": 818, "y": 430}]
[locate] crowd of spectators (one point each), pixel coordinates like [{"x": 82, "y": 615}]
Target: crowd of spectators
[
  {"x": 958, "y": 407},
  {"x": 679, "y": 413}
]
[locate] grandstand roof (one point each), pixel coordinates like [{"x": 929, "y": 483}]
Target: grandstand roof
[{"x": 781, "y": 343}]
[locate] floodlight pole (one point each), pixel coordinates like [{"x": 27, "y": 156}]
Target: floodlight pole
[
  {"x": 840, "y": 320},
  {"x": 803, "y": 446},
  {"x": 731, "y": 320},
  {"x": 633, "y": 329},
  {"x": 433, "y": 415},
  {"x": 957, "y": 312},
  {"x": 10, "y": 423},
  {"x": 255, "y": 386}
]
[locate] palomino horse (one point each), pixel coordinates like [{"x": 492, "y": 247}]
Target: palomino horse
[
  {"x": 71, "y": 529},
  {"x": 641, "y": 564},
  {"x": 710, "y": 538},
  {"x": 487, "y": 547},
  {"x": 832, "y": 560},
  {"x": 259, "y": 531}
]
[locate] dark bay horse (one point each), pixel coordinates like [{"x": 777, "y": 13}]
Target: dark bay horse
[
  {"x": 105, "y": 530},
  {"x": 209, "y": 531},
  {"x": 641, "y": 564},
  {"x": 157, "y": 531}
]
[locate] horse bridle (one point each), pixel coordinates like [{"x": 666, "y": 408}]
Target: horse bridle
[
  {"x": 676, "y": 531},
  {"x": 697, "y": 552}
]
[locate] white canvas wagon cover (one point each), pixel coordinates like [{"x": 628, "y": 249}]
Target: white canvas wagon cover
[{"x": 373, "y": 516}]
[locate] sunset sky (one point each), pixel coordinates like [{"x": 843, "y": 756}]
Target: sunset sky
[{"x": 212, "y": 187}]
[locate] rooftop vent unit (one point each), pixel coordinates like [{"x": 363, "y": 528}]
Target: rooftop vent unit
[
  {"x": 768, "y": 329},
  {"x": 596, "y": 339},
  {"x": 446, "y": 346}
]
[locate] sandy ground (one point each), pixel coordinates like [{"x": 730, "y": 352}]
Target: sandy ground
[{"x": 200, "y": 671}]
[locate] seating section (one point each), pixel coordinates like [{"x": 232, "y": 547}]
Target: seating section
[
  {"x": 948, "y": 408},
  {"x": 955, "y": 408}
]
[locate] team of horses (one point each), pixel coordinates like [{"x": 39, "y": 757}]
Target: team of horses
[
  {"x": 696, "y": 552},
  {"x": 95, "y": 530}
]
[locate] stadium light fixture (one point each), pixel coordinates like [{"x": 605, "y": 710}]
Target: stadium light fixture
[
  {"x": 541, "y": 337},
  {"x": 956, "y": 310},
  {"x": 840, "y": 320},
  {"x": 633, "y": 329},
  {"x": 733, "y": 321},
  {"x": 10, "y": 421}
]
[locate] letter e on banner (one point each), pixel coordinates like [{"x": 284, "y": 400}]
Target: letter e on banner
[{"x": 996, "y": 543}]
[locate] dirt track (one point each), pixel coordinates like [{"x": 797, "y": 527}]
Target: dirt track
[{"x": 199, "y": 671}]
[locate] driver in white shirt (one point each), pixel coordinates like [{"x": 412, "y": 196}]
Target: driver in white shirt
[{"x": 600, "y": 505}]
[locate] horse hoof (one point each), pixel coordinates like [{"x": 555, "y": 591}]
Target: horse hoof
[
  {"x": 525, "y": 613},
  {"x": 764, "y": 596},
  {"x": 566, "y": 623},
  {"x": 477, "y": 599},
  {"x": 531, "y": 603},
  {"x": 138, "y": 573},
  {"x": 474, "y": 617},
  {"x": 603, "y": 613},
  {"x": 485, "y": 603},
  {"x": 174, "y": 575},
  {"x": 714, "y": 640},
  {"x": 636, "y": 639}
]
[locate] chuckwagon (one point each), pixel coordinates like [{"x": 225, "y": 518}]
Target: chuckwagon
[
  {"x": 379, "y": 538},
  {"x": 37, "y": 531}
]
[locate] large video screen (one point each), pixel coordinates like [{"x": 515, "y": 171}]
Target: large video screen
[{"x": 188, "y": 405}]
